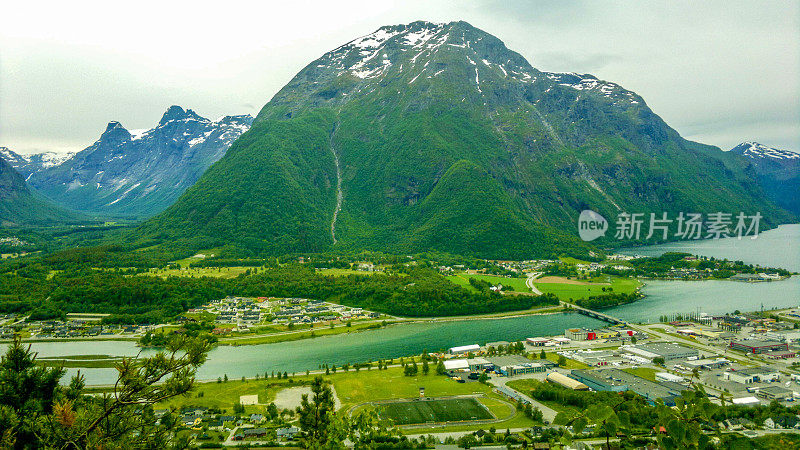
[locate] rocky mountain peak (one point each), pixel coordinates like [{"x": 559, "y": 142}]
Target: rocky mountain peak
[
  {"x": 115, "y": 132},
  {"x": 137, "y": 172},
  {"x": 426, "y": 59},
  {"x": 175, "y": 112}
]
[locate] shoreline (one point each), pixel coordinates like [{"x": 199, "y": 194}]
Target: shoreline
[
  {"x": 550, "y": 310},
  {"x": 783, "y": 278},
  {"x": 305, "y": 334}
]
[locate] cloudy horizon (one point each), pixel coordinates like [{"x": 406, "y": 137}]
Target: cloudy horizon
[{"x": 718, "y": 72}]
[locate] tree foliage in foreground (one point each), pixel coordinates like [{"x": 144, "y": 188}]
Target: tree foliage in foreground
[{"x": 36, "y": 412}]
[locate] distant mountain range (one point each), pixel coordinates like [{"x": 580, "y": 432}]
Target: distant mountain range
[
  {"x": 19, "y": 206},
  {"x": 28, "y": 164},
  {"x": 133, "y": 173},
  {"x": 777, "y": 170},
  {"x": 433, "y": 136}
]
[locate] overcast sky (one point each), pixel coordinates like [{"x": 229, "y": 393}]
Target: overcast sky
[{"x": 720, "y": 72}]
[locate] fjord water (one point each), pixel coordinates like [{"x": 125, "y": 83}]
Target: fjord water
[
  {"x": 298, "y": 356},
  {"x": 779, "y": 247}
]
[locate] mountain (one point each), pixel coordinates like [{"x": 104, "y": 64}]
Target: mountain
[
  {"x": 778, "y": 172},
  {"x": 28, "y": 164},
  {"x": 19, "y": 206},
  {"x": 139, "y": 173},
  {"x": 437, "y": 137}
]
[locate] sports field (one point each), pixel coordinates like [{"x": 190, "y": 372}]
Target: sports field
[{"x": 422, "y": 411}]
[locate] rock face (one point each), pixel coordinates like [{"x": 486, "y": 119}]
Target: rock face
[
  {"x": 778, "y": 172},
  {"x": 19, "y": 206},
  {"x": 437, "y": 137},
  {"x": 136, "y": 173}
]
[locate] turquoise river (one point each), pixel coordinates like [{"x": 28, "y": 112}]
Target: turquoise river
[{"x": 779, "y": 247}]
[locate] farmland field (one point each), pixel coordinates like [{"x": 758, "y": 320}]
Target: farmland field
[
  {"x": 447, "y": 410},
  {"x": 574, "y": 289},
  {"x": 462, "y": 279}
]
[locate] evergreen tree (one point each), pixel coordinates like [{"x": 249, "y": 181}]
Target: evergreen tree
[
  {"x": 317, "y": 414},
  {"x": 36, "y": 412},
  {"x": 27, "y": 391}
]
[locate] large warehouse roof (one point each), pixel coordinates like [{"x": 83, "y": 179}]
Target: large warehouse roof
[
  {"x": 563, "y": 380},
  {"x": 456, "y": 364}
]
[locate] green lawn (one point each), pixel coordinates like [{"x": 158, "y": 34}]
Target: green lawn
[
  {"x": 207, "y": 252},
  {"x": 648, "y": 373},
  {"x": 319, "y": 330},
  {"x": 445, "y": 410},
  {"x": 571, "y": 363},
  {"x": 462, "y": 279},
  {"x": 86, "y": 361},
  {"x": 576, "y": 291},
  {"x": 215, "y": 272},
  {"x": 527, "y": 385},
  {"x": 343, "y": 272},
  {"x": 354, "y": 388},
  {"x": 358, "y": 388},
  {"x": 224, "y": 395},
  {"x": 571, "y": 260}
]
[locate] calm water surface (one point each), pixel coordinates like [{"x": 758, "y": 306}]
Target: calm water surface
[
  {"x": 299, "y": 356},
  {"x": 779, "y": 247}
]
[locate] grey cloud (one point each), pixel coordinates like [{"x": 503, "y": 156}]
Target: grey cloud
[{"x": 720, "y": 71}]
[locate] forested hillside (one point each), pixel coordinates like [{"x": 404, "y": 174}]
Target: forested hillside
[
  {"x": 436, "y": 136},
  {"x": 20, "y": 206}
]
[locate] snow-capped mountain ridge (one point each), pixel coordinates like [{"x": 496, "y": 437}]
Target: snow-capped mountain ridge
[
  {"x": 426, "y": 38},
  {"x": 140, "y": 172},
  {"x": 777, "y": 170},
  {"x": 28, "y": 164},
  {"x": 421, "y": 52},
  {"x": 756, "y": 150}
]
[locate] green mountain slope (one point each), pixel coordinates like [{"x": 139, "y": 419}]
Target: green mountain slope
[
  {"x": 447, "y": 140},
  {"x": 19, "y": 206}
]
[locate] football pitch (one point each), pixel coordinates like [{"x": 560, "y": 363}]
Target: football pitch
[{"x": 422, "y": 411}]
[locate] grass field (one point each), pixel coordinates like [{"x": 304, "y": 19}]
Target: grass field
[
  {"x": 357, "y": 390},
  {"x": 253, "y": 339},
  {"x": 209, "y": 252},
  {"x": 571, "y": 260},
  {"x": 80, "y": 361},
  {"x": 594, "y": 287},
  {"x": 373, "y": 385},
  {"x": 648, "y": 373},
  {"x": 215, "y": 272},
  {"x": 444, "y": 410},
  {"x": 571, "y": 363},
  {"x": 224, "y": 395},
  {"x": 526, "y": 386},
  {"x": 462, "y": 279},
  {"x": 343, "y": 272}
]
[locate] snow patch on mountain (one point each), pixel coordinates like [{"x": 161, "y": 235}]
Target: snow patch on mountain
[
  {"x": 110, "y": 175},
  {"x": 29, "y": 164},
  {"x": 755, "y": 150}
]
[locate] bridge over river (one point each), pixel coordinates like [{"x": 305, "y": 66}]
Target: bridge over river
[{"x": 594, "y": 314}]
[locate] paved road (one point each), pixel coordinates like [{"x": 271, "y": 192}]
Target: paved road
[
  {"x": 529, "y": 282},
  {"x": 547, "y": 413}
]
